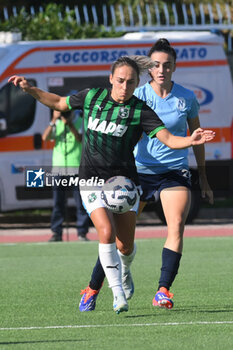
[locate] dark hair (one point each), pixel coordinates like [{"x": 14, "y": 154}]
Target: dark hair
[
  {"x": 163, "y": 45},
  {"x": 66, "y": 115},
  {"x": 125, "y": 61}
]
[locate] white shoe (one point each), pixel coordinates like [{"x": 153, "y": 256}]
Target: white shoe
[
  {"x": 128, "y": 285},
  {"x": 83, "y": 239},
  {"x": 120, "y": 303}
]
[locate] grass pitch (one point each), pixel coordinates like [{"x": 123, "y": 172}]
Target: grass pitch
[{"x": 39, "y": 296}]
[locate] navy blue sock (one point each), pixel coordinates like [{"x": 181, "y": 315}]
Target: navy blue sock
[
  {"x": 169, "y": 269},
  {"x": 97, "y": 277}
]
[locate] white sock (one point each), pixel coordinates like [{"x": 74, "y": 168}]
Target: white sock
[
  {"x": 112, "y": 266},
  {"x": 126, "y": 260}
]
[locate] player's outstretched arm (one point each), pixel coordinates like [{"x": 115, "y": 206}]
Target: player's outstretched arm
[
  {"x": 50, "y": 100},
  {"x": 198, "y": 137}
]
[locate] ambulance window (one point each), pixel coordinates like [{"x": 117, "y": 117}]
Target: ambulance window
[
  {"x": 18, "y": 107},
  {"x": 72, "y": 85},
  {"x": 4, "y": 100}
]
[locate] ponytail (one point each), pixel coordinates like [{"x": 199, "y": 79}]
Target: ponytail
[{"x": 163, "y": 45}]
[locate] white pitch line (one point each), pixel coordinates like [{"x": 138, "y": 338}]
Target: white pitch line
[{"x": 120, "y": 325}]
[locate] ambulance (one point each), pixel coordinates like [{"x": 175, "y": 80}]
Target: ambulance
[{"x": 65, "y": 67}]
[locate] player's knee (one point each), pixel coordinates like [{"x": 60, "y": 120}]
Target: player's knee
[
  {"x": 106, "y": 234},
  {"x": 126, "y": 249},
  {"x": 177, "y": 224}
]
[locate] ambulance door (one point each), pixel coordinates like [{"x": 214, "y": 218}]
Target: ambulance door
[{"x": 20, "y": 146}]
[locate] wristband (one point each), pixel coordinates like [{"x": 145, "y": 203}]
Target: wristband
[{"x": 52, "y": 124}]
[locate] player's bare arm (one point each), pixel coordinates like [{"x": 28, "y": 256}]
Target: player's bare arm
[
  {"x": 198, "y": 137},
  {"x": 50, "y": 100}
]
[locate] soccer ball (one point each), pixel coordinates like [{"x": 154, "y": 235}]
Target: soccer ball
[{"x": 119, "y": 194}]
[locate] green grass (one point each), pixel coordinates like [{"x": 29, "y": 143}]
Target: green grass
[{"x": 40, "y": 285}]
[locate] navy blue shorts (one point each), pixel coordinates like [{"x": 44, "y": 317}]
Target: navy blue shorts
[{"x": 153, "y": 184}]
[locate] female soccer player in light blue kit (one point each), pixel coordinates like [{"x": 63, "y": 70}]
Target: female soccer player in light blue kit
[
  {"x": 166, "y": 170},
  {"x": 162, "y": 170}
]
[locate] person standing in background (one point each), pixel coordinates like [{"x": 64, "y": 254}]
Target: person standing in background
[{"x": 64, "y": 130}]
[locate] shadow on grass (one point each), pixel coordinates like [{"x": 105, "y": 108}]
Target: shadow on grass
[
  {"x": 202, "y": 310},
  {"x": 140, "y": 316},
  {"x": 42, "y": 341},
  {"x": 194, "y": 309}
]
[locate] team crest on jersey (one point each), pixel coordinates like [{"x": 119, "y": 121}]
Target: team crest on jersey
[
  {"x": 92, "y": 197},
  {"x": 149, "y": 103},
  {"x": 123, "y": 112},
  {"x": 181, "y": 104}
]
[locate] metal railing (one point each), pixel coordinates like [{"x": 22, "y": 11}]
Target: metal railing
[{"x": 153, "y": 17}]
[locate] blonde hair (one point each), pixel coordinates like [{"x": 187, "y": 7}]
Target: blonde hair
[
  {"x": 144, "y": 63},
  {"x": 138, "y": 62}
]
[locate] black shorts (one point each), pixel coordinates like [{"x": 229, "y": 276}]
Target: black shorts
[{"x": 153, "y": 184}]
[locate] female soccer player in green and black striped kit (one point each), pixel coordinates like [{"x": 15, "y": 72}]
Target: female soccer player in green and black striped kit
[{"x": 114, "y": 120}]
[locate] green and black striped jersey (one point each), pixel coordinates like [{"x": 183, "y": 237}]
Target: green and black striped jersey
[{"x": 111, "y": 130}]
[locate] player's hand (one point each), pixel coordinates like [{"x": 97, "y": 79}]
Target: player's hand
[
  {"x": 206, "y": 191},
  {"x": 19, "y": 81},
  {"x": 200, "y": 136}
]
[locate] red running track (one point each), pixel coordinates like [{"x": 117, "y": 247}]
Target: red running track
[{"x": 43, "y": 235}]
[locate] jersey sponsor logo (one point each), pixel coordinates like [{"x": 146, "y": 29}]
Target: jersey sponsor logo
[
  {"x": 181, "y": 104},
  {"x": 123, "y": 112},
  {"x": 106, "y": 127}
]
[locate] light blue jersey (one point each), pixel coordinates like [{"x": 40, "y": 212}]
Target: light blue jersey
[{"x": 152, "y": 156}]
